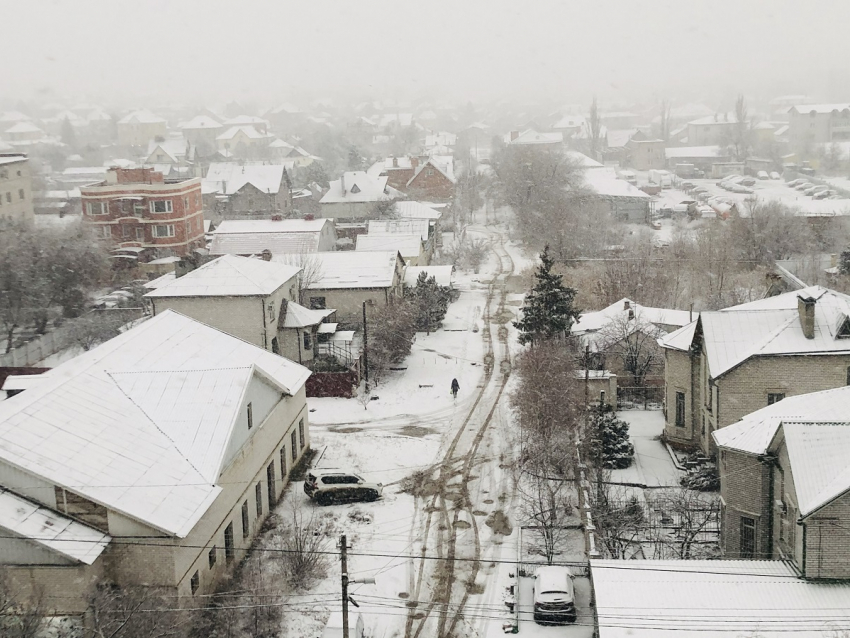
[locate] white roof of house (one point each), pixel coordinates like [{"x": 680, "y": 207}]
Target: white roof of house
[
  {"x": 297, "y": 316},
  {"x": 406, "y": 209},
  {"x": 569, "y": 121},
  {"x": 11, "y": 159},
  {"x": 533, "y": 137},
  {"x": 353, "y": 269},
  {"x": 582, "y": 160},
  {"x": 142, "y": 116},
  {"x": 442, "y": 274},
  {"x": 819, "y": 454},
  {"x": 175, "y": 148},
  {"x": 141, "y": 423},
  {"x": 241, "y": 120},
  {"x": 674, "y": 152},
  {"x": 356, "y": 186},
  {"x": 227, "y": 178},
  {"x": 698, "y": 598},
  {"x": 410, "y": 246},
  {"x": 48, "y": 528},
  {"x": 399, "y": 227},
  {"x": 24, "y": 127},
  {"x": 769, "y": 326},
  {"x": 277, "y": 242},
  {"x": 599, "y": 319},
  {"x": 153, "y": 284},
  {"x": 247, "y": 130},
  {"x": 754, "y": 433},
  {"x": 819, "y": 108},
  {"x": 229, "y": 276},
  {"x": 604, "y": 181},
  {"x": 201, "y": 122}
]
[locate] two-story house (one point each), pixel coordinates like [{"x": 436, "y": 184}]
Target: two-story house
[
  {"x": 785, "y": 484},
  {"x": 144, "y": 213},
  {"x": 151, "y": 460},
  {"x": 729, "y": 363},
  {"x": 16, "y": 200},
  {"x": 250, "y": 190}
]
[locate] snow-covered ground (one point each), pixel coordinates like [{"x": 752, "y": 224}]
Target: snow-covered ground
[{"x": 653, "y": 465}]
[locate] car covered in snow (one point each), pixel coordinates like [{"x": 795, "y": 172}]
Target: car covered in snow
[
  {"x": 775, "y": 175},
  {"x": 335, "y": 486},
  {"x": 554, "y": 595}
]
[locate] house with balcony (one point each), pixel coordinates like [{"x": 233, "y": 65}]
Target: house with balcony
[
  {"x": 144, "y": 215},
  {"x": 732, "y": 362}
]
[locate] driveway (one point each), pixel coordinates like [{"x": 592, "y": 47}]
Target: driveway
[{"x": 652, "y": 466}]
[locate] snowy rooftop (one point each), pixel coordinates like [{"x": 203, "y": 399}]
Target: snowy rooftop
[
  {"x": 693, "y": 151},
  {"x": 142, "y": 116},
  {"x": 24, "y": 127},
  {"x": 594, "y": 321},
  {"x": 297, "y": 316},
  {"x": 416, "y": 210},
  {"x": 696, "y": 598},
  {"x": 11, "y": 159},
  {"x": 769, "y": 327},
  {"x": 252, "y": 237},
  {"x": 229, "y": 276},
  {"x": 201, "y": 122},
  {"x": 820, "y": 108},
  {"x": 247, "y": 130},
  {"x": 604, "y": 181},
  {"x": 399, "y": 227},
  {"x": 442, "y": 163},
  {"x": 408, "y": 245},
  {"x": 48, "y": 528},
  {"x": 354, "y": 187},
  {"x": 175, "y": 148},
  {"x": 353, "y": 269},
  {"x": 533, "y": 137},
  {"x": 227, "y": 178},
  {"x": 442, "y": 274},
  {"x": 141, "y": 423}
]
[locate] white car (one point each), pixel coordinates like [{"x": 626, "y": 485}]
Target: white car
[
  {"x": 554, "y": 595},
  {"x": 775, "y": 175}
]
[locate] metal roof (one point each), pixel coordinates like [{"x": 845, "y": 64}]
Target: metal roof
[
  {"x": 648, "y": 598},
  {"x": 353, "y": 269}
]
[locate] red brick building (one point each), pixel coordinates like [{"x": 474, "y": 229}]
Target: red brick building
[
  {"x": 145, "y": 214},
  {"x": 432, "y": 181}
]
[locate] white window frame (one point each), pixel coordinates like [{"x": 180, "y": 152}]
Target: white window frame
[
  {"x": 103, "y": 231},
  {"x": 168, "y": 206},
  {"x": 169, "y": 228},
  {"x": 104, "y": 209}
]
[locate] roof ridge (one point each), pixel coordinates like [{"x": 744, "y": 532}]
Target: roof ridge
[
  {"x": 156, "y": 425},
  {"x": 179, "y": 370}
]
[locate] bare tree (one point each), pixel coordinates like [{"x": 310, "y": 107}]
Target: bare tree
[
  {"x": 304, "y": 538},
  {"x": 311, "y": 270},
  {"x": 135, "y": 612},
  {"x": 20, "y": 618},
  {"x": 547, "y": 503},
  {"x": 631, "y": 340},
  {"x": 619, "y": 515},
  {"x": 594, "y": 122},
  {"x": 689, "y": 523},
  {"x": 96, "y": 327}
]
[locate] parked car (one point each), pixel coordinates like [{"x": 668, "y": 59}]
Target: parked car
[
  {"x": 775, "y": 175},
  {"x": 795, "y": 182},
  {"x": 823, "y": 194},
  {"x": 333, "y": 486},
  {"x": 686, "y": 186},
  {"x": 762, "y": 175},
  {"x": 554, "y": 595},
  {"x": 803, "y": 186},
  {"x": 748, "y": 181},
  {"x": 665, "y": 211}
]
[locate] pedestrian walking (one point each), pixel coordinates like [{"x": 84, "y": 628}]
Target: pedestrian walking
[{"x": 455, "y": 388}]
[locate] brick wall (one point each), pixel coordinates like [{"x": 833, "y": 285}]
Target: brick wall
[
  {"x": 431, "y": 184},
  {"x": 745, "y": 489},
  {"x": 828, "y": 541},
  {"x": 677, "y": 376}
]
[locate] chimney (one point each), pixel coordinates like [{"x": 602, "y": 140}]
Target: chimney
[
  {"x": 514, "y": 135},
  {"x": 414, "y": 162},
  {"x": 266, "y": 254},
  {"x": 626, "y": 304},
  {"x": 806, "y": 309},
  {"x": 395, "y": 162},
  {"x": 342, "y": 183}
]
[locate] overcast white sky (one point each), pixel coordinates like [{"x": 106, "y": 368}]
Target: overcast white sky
[{"x": 272, "y": 49}]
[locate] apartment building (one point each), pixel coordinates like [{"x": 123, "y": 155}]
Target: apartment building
[{"x": 16, "y": 202}]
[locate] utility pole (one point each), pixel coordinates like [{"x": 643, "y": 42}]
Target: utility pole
[
  {"x": 365, "y": 350},
  {"x": 343, "y": 556},
  {"x": 586, "y": 375}
]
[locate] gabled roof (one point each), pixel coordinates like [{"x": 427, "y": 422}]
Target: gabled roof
[
  {"x": 417, "y": 227},
  {"x": 228, "y": 178},
  {"x": 356, "y": 187},
  {"x": 252, "y": 237},
  {"x": 229, "y": 276},
  {"x": 593, "y": 321},
  {"x": 24, "y": 127},
  {"x": 141, "y": 423},
  {"x": 754, "y": 433},
  {"x": 768, "y": 326},
  {"x": 438, "y": 166},
  {"x": 407, "y": 209},
  {"x": 819, "y": 454},
  {"x": 201, "y": 122},
  {"x": 353, "y": 269},
  {"x": 530, "y": 136},
  {"x": 407, "y": 245},
  {"x": 247, "y": 130},
  {"x": 820, "y": 108},
  {"x": 176, "y": 148},
  {"x": 142, "y": 116}
]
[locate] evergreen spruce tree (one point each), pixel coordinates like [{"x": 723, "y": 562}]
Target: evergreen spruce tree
[
  {"x": 609, "y": 439},
  {"x": 548, "y": 311}
]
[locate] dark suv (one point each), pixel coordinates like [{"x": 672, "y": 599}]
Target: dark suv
[{"x": 332, "y": 486}]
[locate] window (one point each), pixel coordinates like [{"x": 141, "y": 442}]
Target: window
[
  {"x": 21, "y": 193},
  {"x": 126, "y": 231},
  {"x": 271, "y": 483},
  {"x": 283, "y": 462},
  {"x": 138, "y": 208},
  {"x": 301, "y": 432},
  {"x": 293, "y": 445},
  {"x": 258, "y": 492},
  {"x": 163, "y": 230},
  {"x": 195, "y": 582},
  {"x": 246, "y": 525},
  {"x": 140, "y": 233},
  {"x": 307, "y": 342},
  {"x": 317, "y": 303},
  {"x": 271, "y": 311},
  {"x": 774, "y": 397},
  {"x": 228, "y": 543},
  {"x": 212, "y": 556},
  {"x": 103, "y": 231},
  {"x": 748, "y": 537},
  {"x": 680, "y": 409},
  {"x": 92, "y": 208},
  {"x": 161, "y": 206},
  {"x": 250, "y": 416},
  {"x": 185, "y": 204}
]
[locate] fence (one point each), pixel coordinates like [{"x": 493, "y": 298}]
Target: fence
[
  {"x": 647, "y": 397},
  {"x": 39, "y": 348}
]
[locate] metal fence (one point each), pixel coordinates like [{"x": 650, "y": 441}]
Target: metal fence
[{"x": 646, "y": 397}]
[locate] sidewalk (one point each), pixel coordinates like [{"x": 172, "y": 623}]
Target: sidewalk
[{"x": 652, "y": 466}]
